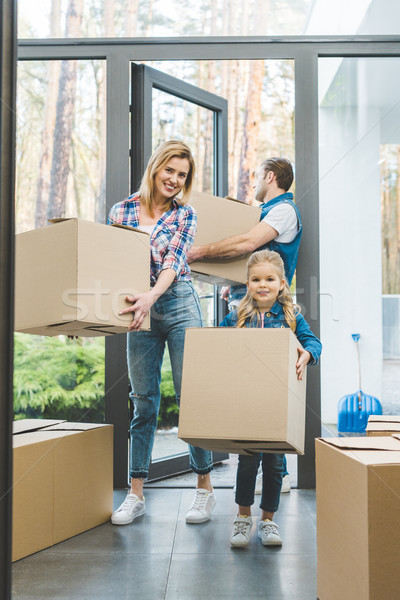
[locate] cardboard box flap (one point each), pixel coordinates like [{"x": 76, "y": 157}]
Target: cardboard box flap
[
  {"x": 203, "y": 195},
  {"x": 364, "y": 443},
  {"x": 129, "y": 228},
  {"x": 27, "y": 425},
  {"x": 384, "y": 419},
  {"x": 70, "y": 426},
  {"x": 61, "y": 219},
  {"x": 376, "y": 426}
]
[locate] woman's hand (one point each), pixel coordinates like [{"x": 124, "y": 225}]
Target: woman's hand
[
  {"x": 142, "y": 303},
  {"x": 302, "y": 362}
]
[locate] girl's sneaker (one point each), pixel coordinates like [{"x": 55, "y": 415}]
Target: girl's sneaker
[
  {"x": 130, "y": 509},
  {"x": 241, "y": 531},
  {"x": 268, "y": 532}
]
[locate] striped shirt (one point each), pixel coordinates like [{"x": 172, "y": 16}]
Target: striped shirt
[{"x": 171, "y": 239}]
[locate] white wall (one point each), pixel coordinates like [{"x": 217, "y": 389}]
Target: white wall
[{"x": 350, "y": 253}]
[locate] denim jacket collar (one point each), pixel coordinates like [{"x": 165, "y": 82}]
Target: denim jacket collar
[{"x": 276, "y": 309}]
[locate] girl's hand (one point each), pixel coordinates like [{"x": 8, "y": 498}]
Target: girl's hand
[
  {"x": 142, "y": 303},
  {"x": 301, "y": 364},
  {"x": 224, "y": 293}
]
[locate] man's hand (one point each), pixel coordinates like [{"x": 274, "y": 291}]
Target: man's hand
[
  {"x": 302, "y": 362},
  {"x": 142, "y": 303},
  {"x": 224, "y": 293},
  {"x": 195, "y": 253}
]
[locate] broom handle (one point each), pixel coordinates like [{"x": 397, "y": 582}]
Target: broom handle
[{"x": 356, "y": 337}]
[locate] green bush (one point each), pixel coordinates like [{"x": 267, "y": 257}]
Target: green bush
[
  {"x": 169, "y": 411},
  {"x": 59, "y": 378}
]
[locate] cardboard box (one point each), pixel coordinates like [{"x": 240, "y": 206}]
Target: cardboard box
[
  {"x": 72, "y": 278},
  {"x": 358, "y": 510},
  {"x": 383, "y": 425},
  {"x": 240, "y": 392},
  {"x": 217, "y": 219},
  {"x": 62, "y": 482}
]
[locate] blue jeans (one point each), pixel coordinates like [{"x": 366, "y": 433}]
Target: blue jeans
[
  {"x": 176, "y": 309},
  {"x": 272, "y": 467}
]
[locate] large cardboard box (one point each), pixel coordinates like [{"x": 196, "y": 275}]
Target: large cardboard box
[
  {"x": 240, "y": 392},
  {"x": 383, "y": 425},
  {"x": 62, "y": 481},
  {"x": 72, "y": 278},
  {"x": 217, "y": 219},
  {"x": 358, "y": 513}
]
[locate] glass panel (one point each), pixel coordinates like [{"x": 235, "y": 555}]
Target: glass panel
[
  {"x": 60, "y": 172},
  {"x": 359, "y": 130},
  {"x": 260, "y": 97},
  {"x": 174, "y": 118},
  {"x": 162, "y": 18}
]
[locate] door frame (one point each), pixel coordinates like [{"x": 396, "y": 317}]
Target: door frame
[
  {"x": 143, "y": 80},
  {"x": 305, "y": 51}
]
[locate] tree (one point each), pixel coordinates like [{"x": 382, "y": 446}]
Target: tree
[
  {"x": 251, "y": 130},
  {"x": 46, "y": 153},
  {"x": 64, "y": 119}
]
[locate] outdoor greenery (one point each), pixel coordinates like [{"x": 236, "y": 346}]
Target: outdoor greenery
[{"x": 59, "y": 378}]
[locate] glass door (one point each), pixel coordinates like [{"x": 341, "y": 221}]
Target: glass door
[{"x": 162, "y": 108}]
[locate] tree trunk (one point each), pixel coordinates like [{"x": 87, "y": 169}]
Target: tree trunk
[
  {"x": 251, "y": 129},
  {"x": 46, "y": 152},
  {"x": 208, "y": 162},
  {"x": 109, "y": 31},
  {"x": 149, "y": 20},
  {"x": 131, "y": 14},
  {"x": 64, "y": 119}
]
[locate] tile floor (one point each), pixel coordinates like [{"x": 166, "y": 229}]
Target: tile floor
[{"x": 160, "y": 557}]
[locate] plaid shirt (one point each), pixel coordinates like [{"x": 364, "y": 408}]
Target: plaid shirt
[{"x": 170, "y": 240}]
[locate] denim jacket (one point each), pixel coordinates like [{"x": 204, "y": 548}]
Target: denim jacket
[{"x": 275, "y": 317}]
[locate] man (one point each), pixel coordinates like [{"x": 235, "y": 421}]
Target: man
[{"x": 279, "y": 229}]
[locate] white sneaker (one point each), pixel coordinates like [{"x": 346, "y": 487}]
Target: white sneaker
[
  {"x": 241, "y": 531},
  {"x": 259, "y": 483},
  {"x": 285, "y": 484},
  {"x": 268, "y": 532},
  {"x": 130, "y": 509},
  {"x": 202, "y": 506}
]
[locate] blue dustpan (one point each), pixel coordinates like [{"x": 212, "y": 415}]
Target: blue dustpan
[{"x": 354, "y": 409}]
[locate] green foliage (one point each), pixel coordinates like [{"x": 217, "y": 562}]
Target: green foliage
[
  {"x": 59, "y": 378},
  {"x": 168, "y": 415}
]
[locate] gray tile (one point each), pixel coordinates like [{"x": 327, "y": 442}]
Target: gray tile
[
  {"x": 235, "y": 575},
  {"x": 160, "y": 551},
  {"x": 87, "y": 577},
  {"x": 146, "y": 535}
]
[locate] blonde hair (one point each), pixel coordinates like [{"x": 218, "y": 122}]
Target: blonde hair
[
  {"x": 157, "y": 161},
  {"x": 247, "y": 308}
]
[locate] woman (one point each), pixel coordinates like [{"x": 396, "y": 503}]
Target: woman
[{"x": 173, "y": 305}]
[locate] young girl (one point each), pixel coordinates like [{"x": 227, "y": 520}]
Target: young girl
[{"x": 268, "y": 303}]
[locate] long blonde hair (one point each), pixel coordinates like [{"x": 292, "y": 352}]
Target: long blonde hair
[
  {"x": 247, "y": 308},
  {"x": 157, "y": 161}
]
